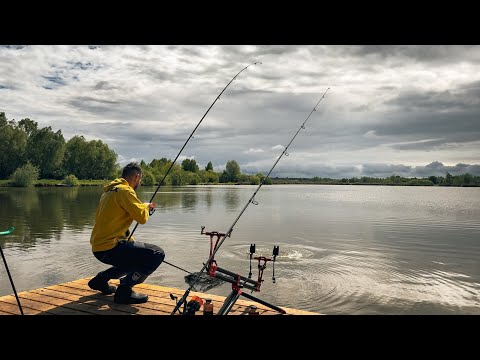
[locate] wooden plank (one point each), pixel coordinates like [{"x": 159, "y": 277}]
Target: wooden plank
[
  {"x": 13, "y": 309},
  {"x": 156, "y": 295},
  {"x": 89, "y": 301},
  {"x": 76, "y": 298},
  {"x": 99, "y": 299},
  {"x": 217, "y": 300},
  {"x": 40, "y": 307},
  {"x": 62, "y": 303},
  {"x": 160, "y": 297},
  {"x": 9, "y": 309}
]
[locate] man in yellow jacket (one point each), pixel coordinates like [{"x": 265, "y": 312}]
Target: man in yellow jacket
[{"x": 132, "y": 261}]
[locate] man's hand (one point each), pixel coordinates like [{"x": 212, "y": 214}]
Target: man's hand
[{"x": 151, "y": 207}]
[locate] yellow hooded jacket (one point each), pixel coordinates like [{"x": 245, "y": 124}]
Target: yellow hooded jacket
[{"x": 118, "y": 207}]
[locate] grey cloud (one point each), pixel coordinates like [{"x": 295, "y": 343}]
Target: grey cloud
[
  {"x": 438, "y": 169},
  {"x": 54, "y": 81},
  {"x": 423, "y": 145},
  {"x": 369, "y": 170},
  {"x": 88, "y": 100},
  {"x": 259, "y": 50},
  {"x": 386, "y": 88},
  {"x": 80, "y": 65},
  {"x": 451, "y": 115},
  {"x": 103, "y": 85},
  {"x": 467, "y": 96},
  {"x": 385, "y": 170},
  {"x": 422, "y": 53},
  {"x": 450, "y": 139},
  {"x": 118, "y": 109},
  {"x": 361, "y": 108},
  {"x": 145, "y": 101},
  {"x": 15, "y": 47}
]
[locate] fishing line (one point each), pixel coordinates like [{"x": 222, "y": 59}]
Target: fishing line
[
  {"x": 251, "y": 200},
  {"x": 191, "y": 135}
]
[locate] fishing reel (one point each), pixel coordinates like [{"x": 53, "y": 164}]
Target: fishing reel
[{"x": 190, "y": 307}]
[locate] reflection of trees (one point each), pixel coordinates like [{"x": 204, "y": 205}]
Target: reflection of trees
[
  {"x": 42, "y": 213},
  {"x": 80, "y": 206},
  {"x": 166, "y": 198},
  {"x": 170, "y": 197},
  {"x": 46, "y": 218},
  {"x": 208, "y": 197},
  {"x": 231, "y": 199},
  {"x": 189, "y": 200},
  {"x": 15, "y": 205}
]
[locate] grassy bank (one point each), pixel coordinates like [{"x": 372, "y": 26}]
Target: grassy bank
[{"x": 50, "y": 182}]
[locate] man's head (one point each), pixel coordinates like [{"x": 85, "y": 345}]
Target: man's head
[{"x": 132, "y": 172}]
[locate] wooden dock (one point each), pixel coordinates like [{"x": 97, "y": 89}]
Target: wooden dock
[{"x": 76, "y": 298}]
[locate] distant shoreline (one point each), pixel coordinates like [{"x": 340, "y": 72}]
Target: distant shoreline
[{"x": 275, "y": 181}]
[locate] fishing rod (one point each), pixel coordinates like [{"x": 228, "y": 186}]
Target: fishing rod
[
  {"x": 251, "y": 200},
  {"x": 2, "y": 233},
  {"x": 191, "y": 135}
]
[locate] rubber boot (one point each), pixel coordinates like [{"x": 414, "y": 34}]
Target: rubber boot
[
  {"x": 100, "y": 281},
  {"x": 125, "y": 293},
  {"x": 101, "y": 284}
]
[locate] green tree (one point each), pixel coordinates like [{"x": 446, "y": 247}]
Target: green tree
[
  {"x": 223, "y": 178},
  {"x": 160, "y": 163},
  {"x": 233, "y": 170},
  {"x": 73, "y": 160},
  {"x": 254, "y": 180},
  {"x": 190, "y": 165},
  {"x": 45, "y": 149},
  {"x": 147, "y": 177},
  {"x": 268, "y": 181},
  {"x": 90, "y": 160},
  {"x": 208, "y": 176},
  {"x": 209, "y": 166},
  {"x": 193, "y": 178},
  {"x": 104, "y": 159},
  {"x": 448, "y": 179},
  {"x": 420, "y": 182},
  {"x": 71, "y": 180},
  {"x": 13, "y": 142},
  {"x": 25, "y": 176},
  {"x": 178, "y": 178},
  {"x": 28, "y": 126}
]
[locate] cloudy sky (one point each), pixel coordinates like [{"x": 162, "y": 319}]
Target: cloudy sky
[{"x": 404, "y": 110}]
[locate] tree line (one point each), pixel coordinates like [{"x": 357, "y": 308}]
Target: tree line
[
  {"x": 24, "y": 145},
  {"x": 394, "y": 180},
  {"x": 28, "y": 153}
]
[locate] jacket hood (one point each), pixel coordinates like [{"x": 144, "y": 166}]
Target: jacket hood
[{"x": 116, "y": 182}]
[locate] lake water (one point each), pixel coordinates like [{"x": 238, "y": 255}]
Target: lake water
[{"x": 343, "y": 249}]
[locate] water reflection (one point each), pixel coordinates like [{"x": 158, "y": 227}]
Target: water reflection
[
  {"x": 343, "y": 250},
  {"x": 231, "y": 199},
  {"x": 208, "y": 197},
  {"x": 171, "y": 197},
  {"x": 41, "y": 214},
  {"x": 189, "y": 200}
]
